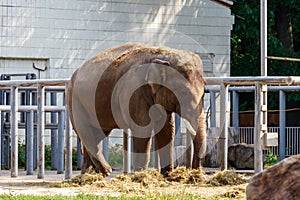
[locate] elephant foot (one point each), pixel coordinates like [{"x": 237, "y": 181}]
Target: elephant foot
[
  {"x": 165, "y": 170},
  {"x": 91, "y": 164},
  {"x": 98, "y": 168}
]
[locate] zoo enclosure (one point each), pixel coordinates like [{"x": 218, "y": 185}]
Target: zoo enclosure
[{"x": 42, "y": 86}]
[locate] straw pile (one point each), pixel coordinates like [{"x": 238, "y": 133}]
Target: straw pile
[{"x": 226, "y": 177}]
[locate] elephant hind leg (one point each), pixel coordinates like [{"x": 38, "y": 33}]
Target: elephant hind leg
[
  {"x": 141, "y": 152},
  {"x": 90, "y": 161},
  {"x": 164, "y": 144}
]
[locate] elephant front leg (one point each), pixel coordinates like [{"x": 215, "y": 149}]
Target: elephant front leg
[
  {"x": 164, "y": 144},
  {"x": 141, "y": 152},
  {"x": 199, "y": 142}
]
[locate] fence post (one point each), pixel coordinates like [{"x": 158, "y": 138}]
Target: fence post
[
  {"x": 79, "y": 154},
  {"x": 29, "y": 142},
  {"x": 212, "y": 109},
  {"x": 53, "y": 102},
  {"x": 282, "y": 124},
  {"x": 60, "y": 143},
  {"x": 260, "y": 125},
  {"x": 224, "y": 119},
  {"x": 127, "y": 151},
  {"x": 68, "y": 173},
  {"x": 177, "y": 141},
  {"x": 41, "y": 131},
  {"x": 105, "y": 143},
  {"x": 235, "y": 110},
  {"x": 14, "y": 131}
]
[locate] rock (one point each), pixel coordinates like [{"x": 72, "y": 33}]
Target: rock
[
  {"x": 241, "y": 156},
  {"x": 281, "y": 181}
]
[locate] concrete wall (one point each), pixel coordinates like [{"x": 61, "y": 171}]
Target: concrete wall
[{"x": 63, "y": 34}]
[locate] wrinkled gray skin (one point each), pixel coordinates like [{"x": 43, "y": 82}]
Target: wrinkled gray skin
[{"x": 137, "y": 87}]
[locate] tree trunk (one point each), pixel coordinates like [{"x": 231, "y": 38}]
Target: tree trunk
[{"x": 284, "y": 25}]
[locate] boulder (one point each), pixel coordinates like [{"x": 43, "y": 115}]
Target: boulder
[
  {"x": 241, "y": 156},
  {"x": 281, "y": 181}
]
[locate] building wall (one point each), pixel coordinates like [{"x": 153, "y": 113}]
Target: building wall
[{"x": 63, "y": 34}]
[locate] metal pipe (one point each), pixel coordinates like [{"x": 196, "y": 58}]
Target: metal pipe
[
  {"x": 41, "y": 131},
  {"x": 14, "y": 131},
  {"x": 1, "y": 150},
  {"x": 68, "y": 173},
  {"x": 60, "y": 144},
  {"x": 53, "y": 120},
  {"x": 258, "y": 159},
  {"x": 282, "y": 124},
  {"x": 29, "y": 108},
  {"x": 212, "y": 109},
  {"x": 105, "y": 143},
  {"x": 283, "y": 58},
  {"x": 239, "y": 80},
  {"x": 79, "y": 154},
  {"x": 235, "y": 110},
  {"x": 224, "y": 119},
  {"x": 177, "y": 141},
  {"x": 263, "y": 37},
  {"x": 127, "y": 151},
  {"x": 29, "y": 143},
  {"x": 272, "y": 88}
]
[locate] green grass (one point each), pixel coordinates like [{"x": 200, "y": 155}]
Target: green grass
[{"x": 95, "y": 197}]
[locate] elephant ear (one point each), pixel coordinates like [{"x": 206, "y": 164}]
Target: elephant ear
[{"x": 156, "y": 73}]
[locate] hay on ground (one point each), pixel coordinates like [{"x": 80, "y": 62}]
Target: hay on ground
[
  {"x": 186, "y": 175},
  {"x": 226, "y": 177}
]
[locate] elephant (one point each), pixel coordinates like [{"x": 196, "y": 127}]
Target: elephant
[{"x": 138, "y": 87}]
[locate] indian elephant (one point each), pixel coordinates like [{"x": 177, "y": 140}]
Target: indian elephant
[{"x": 137, "y": 87}]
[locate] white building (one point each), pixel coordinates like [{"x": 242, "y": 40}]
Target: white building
[{"x": 63, "y": 34}]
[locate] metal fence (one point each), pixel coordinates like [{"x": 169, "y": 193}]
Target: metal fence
[
  {"x": 245, "y": 135},
  {"x": 39, "y": 108}
]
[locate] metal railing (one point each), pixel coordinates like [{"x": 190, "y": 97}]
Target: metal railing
[
  {"x": 40, "y": 86},
  {"x": 292, "y": 145}
]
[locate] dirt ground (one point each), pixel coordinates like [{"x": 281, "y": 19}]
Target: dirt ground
[{"x": 54, "y": 184}]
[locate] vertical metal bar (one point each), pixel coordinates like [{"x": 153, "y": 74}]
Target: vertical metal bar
[
  {"x": 235, "y": 111},
  {"x": 263, "y": 37},
  {"x": 68, "y": 173},
  {"x": 2, "y": 131},
  {"x": 177, "y": 141},
  {"x": 212, "y": 109},
  {"x": 127, "y": 152},
  {"x": 282, "y": 123},
  {"x": 35, "y": 144},
  {"x": 41, "y": 131},
  {"x": 8, "y": 135},
  {"x": 53, "y": 102},
  {"x": 79, "y": 154},
  {"x": 29, "y": 143},
  {"x": 60, "y": 143},
  {"x": 105, "y": 143},
  {"x": 224, "y": 119},
  {"x": 2, "y": 141},
  {"x": 14, "y": 131},
  {"x": 258, "y": 158}
]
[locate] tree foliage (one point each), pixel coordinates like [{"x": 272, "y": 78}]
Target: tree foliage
[
  {"x": 283, "y": 41},
  {"x": 283, "y": 37}
]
